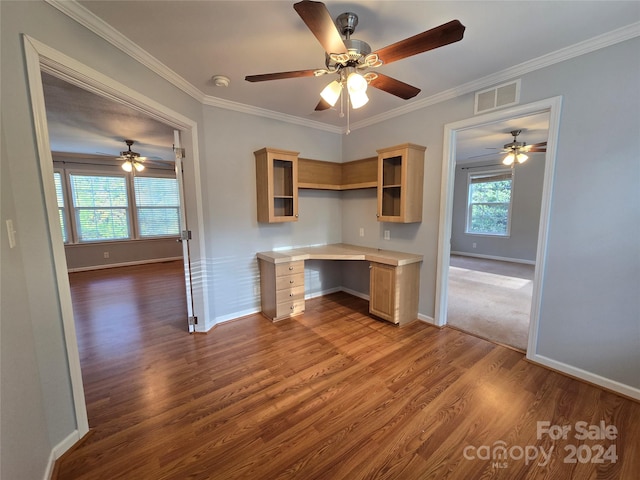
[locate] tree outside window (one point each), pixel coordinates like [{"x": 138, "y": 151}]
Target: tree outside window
[
  {"x": 489, "y": 203},
  {"x": 101, "y": 207}
]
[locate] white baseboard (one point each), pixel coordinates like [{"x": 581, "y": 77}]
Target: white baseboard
[
  {"x": 589, "y": 377},
  {"x": 309, "y": 296},
  {"x": 427, "y": 319},
  {"x": 59, "y": 450},
  {"x": 123, "y": 264},
  {"x": 494, "y": 257}
]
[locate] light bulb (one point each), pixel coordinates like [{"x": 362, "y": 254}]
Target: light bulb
[
  {"x": 358, "y": 99},
  {"x": 139, "y": 167},
  {"x": 356, "y": 83},
  {"x": 331, "y": 92},
  {"x": 522, "y": 158},
  {"x": 509, "y": 159},
  {"x": 126, "y": 166}
]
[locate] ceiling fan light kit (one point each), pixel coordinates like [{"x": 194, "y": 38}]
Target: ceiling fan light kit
[
  {"x": 350, "y": 58},
  {"x": 132, "y": 160},
  {"x": 516, "y": 150}
]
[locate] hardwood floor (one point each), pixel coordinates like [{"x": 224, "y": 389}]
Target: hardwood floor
[{"x": 331, "y": 394}]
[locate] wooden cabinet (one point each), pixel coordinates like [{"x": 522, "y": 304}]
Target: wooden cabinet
[
  {"x": 400, "y": 181},
  {"x": 277, "y": 185},
  {"x": 281, "y": 289},
  {"x": 394, "y": 292}
]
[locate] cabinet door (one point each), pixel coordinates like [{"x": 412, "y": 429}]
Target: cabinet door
[
  {"x": 382, "y": 291},
  {"x": 277, "y": 185},
  {"x": 400, "y": 180}
]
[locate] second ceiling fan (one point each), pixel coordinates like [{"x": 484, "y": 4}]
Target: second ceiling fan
[{"x": 350, "y": 58}]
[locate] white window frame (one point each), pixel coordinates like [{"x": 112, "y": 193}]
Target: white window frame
[
  {"x": 132, "y": 208},
  {"x": 134, "y": 202},
  {"x": 73, "y": 215},
  {"x": 489, "y": 173}
]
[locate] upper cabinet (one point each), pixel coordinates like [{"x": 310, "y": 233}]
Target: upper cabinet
[
  {"x": 277, "y": 185},
  {"x": 400, "y": 181}
]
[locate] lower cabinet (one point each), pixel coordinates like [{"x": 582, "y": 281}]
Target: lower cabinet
[
  {"x": 281, "y": 289},
  {"x": 394, "y": 292}
]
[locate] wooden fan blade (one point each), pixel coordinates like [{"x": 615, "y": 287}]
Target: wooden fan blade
[
  {"x": 537, "y": 147},
  {"x": 445, "y": 34},
  {"x": 322, "y": 105},
  {"x": 394, "y": 87},
  {"x": 279, "y": 75},
  {"x": 316, "y": 16}
]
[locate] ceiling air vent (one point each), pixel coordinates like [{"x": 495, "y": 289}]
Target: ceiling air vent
[{"x": 497, "y": 97}]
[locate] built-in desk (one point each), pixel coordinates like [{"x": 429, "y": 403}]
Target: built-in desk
[{"x": 394, "y": 280}]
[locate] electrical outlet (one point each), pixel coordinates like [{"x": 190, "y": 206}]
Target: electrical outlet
[
  {"x": 387, "y": 235},
  {"x": 106, "y": 254},
  {"x": 362, "y": 231},
  {"x": 474, "y": 245}
]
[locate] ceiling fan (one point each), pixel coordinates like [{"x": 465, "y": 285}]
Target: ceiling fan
[
  {"x": 350, "y": 58},
  {"x": 134, "y": 161},
  {"x": 516, "y": 151}
]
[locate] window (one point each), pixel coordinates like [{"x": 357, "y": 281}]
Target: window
[
  {"x": 489, "y": 203},
  {"x": 157, "y": 206},
  {"x": 57, "y": 178},
  {"x": 101, "y": 207}
]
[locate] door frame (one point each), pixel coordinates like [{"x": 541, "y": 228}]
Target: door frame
[
  {"x": 42, "y": 58},
  {"x": 551, "y": 105}
]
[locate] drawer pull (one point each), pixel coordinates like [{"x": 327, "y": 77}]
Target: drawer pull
[
  {"x": 291, "y": 294},
  {"x": 290, "y": 268},
  {"x": 293, "y": 307},
  {"x": 291, "y": 281}
]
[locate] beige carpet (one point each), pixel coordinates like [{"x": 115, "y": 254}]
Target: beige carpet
[{"x": 491, "y": 299}]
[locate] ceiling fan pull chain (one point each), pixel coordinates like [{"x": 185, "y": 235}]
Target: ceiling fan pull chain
[{"x": 348, "y": 116}]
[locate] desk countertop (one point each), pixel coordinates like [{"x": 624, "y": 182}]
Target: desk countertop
[{"x": 340, "y": 251}]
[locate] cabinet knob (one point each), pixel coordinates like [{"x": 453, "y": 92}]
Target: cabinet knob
[
  {"x": 296, "y": 215},
  {"x": 292, "y": 307},
  {"x": 290, "y": 268},
  {"x": 291, "y": 294},
  {"x": 377, "y": 215},
  {"x": 290, "y": 281}
]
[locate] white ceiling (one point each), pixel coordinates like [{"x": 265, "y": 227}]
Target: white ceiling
[{"x": 199, "y": 39}]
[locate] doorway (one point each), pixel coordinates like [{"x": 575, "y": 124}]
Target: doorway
[
  {"x": 551, "y": 106},
  {"x": 495, "y": 221},
  {"x": 41, "y": 58}
]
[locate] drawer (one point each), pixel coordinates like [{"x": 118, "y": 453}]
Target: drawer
[
  {"x": 290, "y": 281},
  {"x": 292, "y": 307},
  {"x": 289, "y": 268},
  {"x": 293, "y": 293}
]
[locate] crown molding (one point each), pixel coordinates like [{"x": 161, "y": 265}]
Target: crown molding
[
  {"x": 263, "y": 112},
  {"x": 98, "y": 26},
  {"x": 101, "y": 28}
]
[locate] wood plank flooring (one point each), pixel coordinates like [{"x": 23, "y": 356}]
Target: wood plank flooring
[{"x": 331, "y": 394}]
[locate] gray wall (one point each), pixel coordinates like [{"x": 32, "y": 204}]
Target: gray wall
[
  {"x": 234, "y": 235},
  {"x": 590, "y": 307},
  {"x": 39, "y": 411},
  {"x": 522, "y": 241},
  {"x": 23, "y": 424},
  {"x": 87, "y": 256}
]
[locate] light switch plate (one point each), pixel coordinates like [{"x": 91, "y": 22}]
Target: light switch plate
[{"x": 11, "y": 233}]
